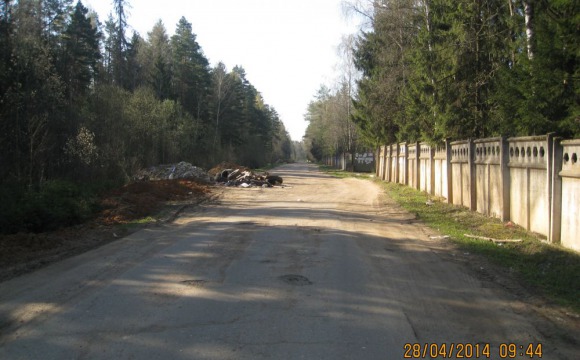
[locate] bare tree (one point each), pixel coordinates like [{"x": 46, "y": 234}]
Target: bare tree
[
  {"x": 349, "y": 75},
  {"x": 529, "y": 19}
]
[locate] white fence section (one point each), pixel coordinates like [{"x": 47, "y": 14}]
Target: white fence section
[
  {"x": 569, "y": 212},
  {"x": 532, "y": 181}
]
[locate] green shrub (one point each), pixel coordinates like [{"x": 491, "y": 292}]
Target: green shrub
[{"x": 55, "y": 204}]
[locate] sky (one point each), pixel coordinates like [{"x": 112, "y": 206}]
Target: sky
[{"x": 287, "y": 47}]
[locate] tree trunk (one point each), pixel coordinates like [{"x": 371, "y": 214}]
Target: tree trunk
[{"x": 529, "y": 19}]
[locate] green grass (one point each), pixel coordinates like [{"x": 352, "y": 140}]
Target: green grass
[
  {"x": 55, "y": 204},
  {"x": 133, "y": 226},
  {"x": 549, "y": 270},
  {"x": 343, "y": 174},
  {"x": 144, "y": 221}
]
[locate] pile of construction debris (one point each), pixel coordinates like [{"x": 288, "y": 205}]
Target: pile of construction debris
[
  {"x": 182, "y": 170},
  {"x": 228, "y": 174}
]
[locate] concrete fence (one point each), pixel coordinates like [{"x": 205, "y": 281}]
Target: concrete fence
[
  {"x": 363, "y": 162},
  {"x": 531, "y": 181},
  {"x": 566, "y": 189}
]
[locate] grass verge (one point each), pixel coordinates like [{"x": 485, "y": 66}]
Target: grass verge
[
  {"x": 343, "y": 174},
  {"x": 549, "y": 270}
]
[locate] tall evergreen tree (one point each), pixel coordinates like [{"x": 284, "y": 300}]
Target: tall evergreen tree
[
  {"x": 117, "y": 29},
  {"x": 81, "y": 53},
  {"x": 539, "y": 89},
  {"x": 157, "y": 61},
  {"x": 191, "y": 75},
  {"x": 381, "y": 56},
  {"x": 110, "y": 40},
  {"x": 135, "y": 77},
  {"x": 55, "y": 17}
]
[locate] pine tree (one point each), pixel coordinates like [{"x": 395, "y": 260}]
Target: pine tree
[
  {"x": 118, "y": 44},
  {"x": 81, "y": 54},
  {"x": 191, "y": 76},
  {"x": 540, "y": 87},
  {"x": 157, "y": 61},
  {"x": 135, "y": 77}
]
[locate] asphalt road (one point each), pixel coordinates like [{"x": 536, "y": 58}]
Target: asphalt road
[{"x": 324, "y": 268}]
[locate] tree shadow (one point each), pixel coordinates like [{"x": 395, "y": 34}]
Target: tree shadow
[{"x": 216, "y": 290}]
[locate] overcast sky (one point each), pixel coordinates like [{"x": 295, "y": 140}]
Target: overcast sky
[{"x": 287, "y": 47}]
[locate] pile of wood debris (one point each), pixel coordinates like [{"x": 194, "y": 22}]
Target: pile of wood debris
[
  {"x": 229, "y": 174},
  {"x": 225, "y": 173}
]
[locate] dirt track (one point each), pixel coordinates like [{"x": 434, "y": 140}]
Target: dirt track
[{"x": 324, "y": 268}]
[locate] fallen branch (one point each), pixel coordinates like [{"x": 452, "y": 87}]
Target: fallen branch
[{"x": 496, "y": 241}]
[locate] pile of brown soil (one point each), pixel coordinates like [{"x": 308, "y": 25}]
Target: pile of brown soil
[
  {"x": 226, "y": 165},
  {"x": 141, "y": 199}
]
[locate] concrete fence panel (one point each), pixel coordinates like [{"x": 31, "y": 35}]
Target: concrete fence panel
[
  {"x": 385, "y": 166},
  {"x": 387, "y": 176},
  {"x": 530, "y": 184},
  {"x": 441, "y": 171},
  {"x": 364, "y": 162},
  {"x": 414, "y": 170},
  {"x": 381, "y": 163},
  {"x": 402, "y": 170},
  {"x": 570, "y": 190},
  {"x": 426, "y": 169},
  {"x": 533, "y": 181},
  {"x": 492, "y": 198},
  {"x": 462, "y": 174},
  {"x": 394, "y": 175}
]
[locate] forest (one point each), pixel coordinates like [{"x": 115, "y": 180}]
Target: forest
[
  {"x": 84, "y": 104},
  {"x": 431, "y": 70}
]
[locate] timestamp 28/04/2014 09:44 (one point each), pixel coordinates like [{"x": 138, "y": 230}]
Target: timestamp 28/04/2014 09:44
[{"x": 472, "y": 351}]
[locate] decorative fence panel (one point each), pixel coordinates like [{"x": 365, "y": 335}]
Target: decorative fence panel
[
  {"x": 491, "y": 184},
  {"x": 570, "y": 195},
  {"x": 532, "y": 181},
  {"x": 462, "y": 174},
  {"x": 381, "y": 161},
  {"x": 413, "y": 165},
  {"x": 426, "y": 168},
  {"x": 394, "y": 173},
  {"x": 402, "y": 164},
  {"x": 441, "y": 170},
  {"x": 530, "y": 186}
]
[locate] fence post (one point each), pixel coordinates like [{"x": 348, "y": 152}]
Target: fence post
[
  {"x": 549, "y": 169},
  {"x": 417, "y": 177},
  {"x": 396, "y": 160},
  {"x": 554, "y": 235},
  {"x": 405, "y": 159},
  {"x": 449, "y": 172},
  {"x": 472, "y": 176},
  {"x": 378, "y": 162},
  {"x": 505, "y": 179},
  {"x": 389, "y": 164},
  {"x": 431, "y": 185}
]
